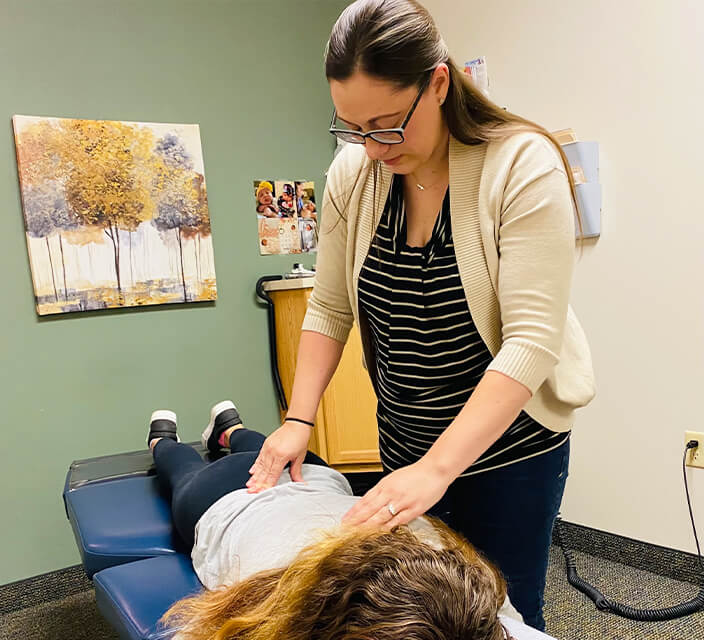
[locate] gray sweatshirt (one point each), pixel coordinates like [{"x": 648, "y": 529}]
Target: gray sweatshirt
[{"x": 244, "y": 533}]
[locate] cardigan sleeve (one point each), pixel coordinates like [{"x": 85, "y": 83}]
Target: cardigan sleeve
[
  {"x": 536, "y": 245},
  {"x": 329, "y": 311}
]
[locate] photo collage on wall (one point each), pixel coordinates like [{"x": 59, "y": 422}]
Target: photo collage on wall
[{"x": 287, "y": 216}]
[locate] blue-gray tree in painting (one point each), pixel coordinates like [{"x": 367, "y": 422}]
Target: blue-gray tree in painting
[
  {"x": 46, "y": 213},
  {"x": 179, "y": 201},
  {"x": 171, "y": 149}
]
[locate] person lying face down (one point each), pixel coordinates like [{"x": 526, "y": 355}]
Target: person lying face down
[
  {"x": 278, "y": 563},
  {"x": 358, "y": 584}
]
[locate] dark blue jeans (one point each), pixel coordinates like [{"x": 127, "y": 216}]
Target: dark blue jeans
[
  {"x": 195, "y": 485},
  {"x": 508, "y": 514}
]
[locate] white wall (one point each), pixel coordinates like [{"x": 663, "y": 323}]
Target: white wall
[{"x": 631, "y": 76}]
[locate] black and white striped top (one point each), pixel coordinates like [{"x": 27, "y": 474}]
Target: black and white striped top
[{"x": 429, "y": 355}]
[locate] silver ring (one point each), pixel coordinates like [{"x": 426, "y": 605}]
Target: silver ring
[{"x": 391, "y": 509}]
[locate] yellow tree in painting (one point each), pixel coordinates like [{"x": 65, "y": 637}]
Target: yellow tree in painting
[{"x": 107, "y": 164}]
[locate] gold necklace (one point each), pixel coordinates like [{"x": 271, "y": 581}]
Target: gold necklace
[{"x": 422, "y": 187}]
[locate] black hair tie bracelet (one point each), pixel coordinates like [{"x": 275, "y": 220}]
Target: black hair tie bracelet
[{"x": 308, "y": 422}]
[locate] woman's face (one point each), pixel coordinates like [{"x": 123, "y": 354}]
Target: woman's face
[{"x": 365, "y": 102}]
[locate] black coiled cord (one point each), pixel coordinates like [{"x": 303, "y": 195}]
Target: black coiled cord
[
  {"x": 625, "y": 611},
  {"x": 273, "y": 356}
]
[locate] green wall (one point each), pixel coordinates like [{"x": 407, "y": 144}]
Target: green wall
[{"x": 81, "y": 385}]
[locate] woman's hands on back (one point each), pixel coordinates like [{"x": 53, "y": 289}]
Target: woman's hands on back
[
  {"x": 289, "y": 443},
  {"x": 318, "y": 356},
  {"x": 400, "y": 496}
]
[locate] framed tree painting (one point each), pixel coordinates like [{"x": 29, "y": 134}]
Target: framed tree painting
[{"x": 116, "y": 213}]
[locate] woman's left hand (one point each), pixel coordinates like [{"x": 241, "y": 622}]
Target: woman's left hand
[{"x": 409, "y": 492}]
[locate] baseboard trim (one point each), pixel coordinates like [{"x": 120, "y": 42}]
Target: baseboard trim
[
  {"x": 43, "y": 588},
  {"x": 671, "y": 563}
]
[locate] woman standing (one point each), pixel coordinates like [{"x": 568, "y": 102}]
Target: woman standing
[{"x": 448, "y": 235}]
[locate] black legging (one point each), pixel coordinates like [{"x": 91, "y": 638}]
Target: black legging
[{"x": 196, "y": 485}]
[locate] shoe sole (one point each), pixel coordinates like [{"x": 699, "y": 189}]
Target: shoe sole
[
  {"x": 163, "y": 414},
  {"x": 214, "y": 412}
]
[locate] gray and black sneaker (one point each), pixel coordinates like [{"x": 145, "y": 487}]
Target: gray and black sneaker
[
  {"x": 222, "y": 416},
  {"x": 162, "y": 424}
]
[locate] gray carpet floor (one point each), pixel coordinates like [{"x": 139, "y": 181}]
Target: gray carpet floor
[{"x": 569, "y": 614}]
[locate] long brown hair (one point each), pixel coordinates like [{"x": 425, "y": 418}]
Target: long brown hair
[
  {"x": 358, "y": 584},
  {"x": 397, "y": 41}
]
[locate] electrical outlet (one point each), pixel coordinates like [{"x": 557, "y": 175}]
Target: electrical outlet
[{"x": 695, "y": 457}]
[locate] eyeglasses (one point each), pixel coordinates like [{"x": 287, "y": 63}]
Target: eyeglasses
[{"x": 382, "y": 136}]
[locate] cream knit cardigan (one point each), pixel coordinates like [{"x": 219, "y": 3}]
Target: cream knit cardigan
[{"x": 513, "y": 228}]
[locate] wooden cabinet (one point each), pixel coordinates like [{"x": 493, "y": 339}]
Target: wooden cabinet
[{"x": 346, "y": 433}]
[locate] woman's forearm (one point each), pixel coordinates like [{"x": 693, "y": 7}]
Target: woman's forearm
[
  {"x": 318, "y": 357},
  {"x": 493, "y": 406}
]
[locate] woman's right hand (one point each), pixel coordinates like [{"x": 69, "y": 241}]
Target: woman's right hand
[{"x": 289, "y": 443}]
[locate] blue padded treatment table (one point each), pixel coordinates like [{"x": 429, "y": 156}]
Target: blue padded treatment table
[
  {"x": 117, "y": 511},
  {"x": 138, "y": 564},
  {"x": 128, "y": 545},
  {"x": 120, "y": 521},
  {"x": 132, "y": 597}
]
